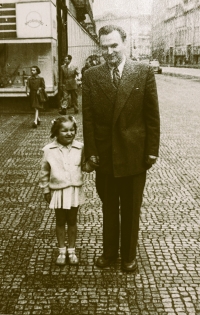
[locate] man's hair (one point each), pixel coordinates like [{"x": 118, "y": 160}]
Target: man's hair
[
  {"x": 107, "y": 29},
  {"x": 69, "y": 57}
]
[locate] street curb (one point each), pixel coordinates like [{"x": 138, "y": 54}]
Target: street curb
[{"x": 180, "y": 75}]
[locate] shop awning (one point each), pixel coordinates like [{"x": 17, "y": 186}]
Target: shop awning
[{"x": 26, "y": 40}]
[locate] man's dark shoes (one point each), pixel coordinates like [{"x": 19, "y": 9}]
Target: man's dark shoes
[
  {"x": 102, "y": 262},
  {"x": 129, "y": 266},
  {"x": 63, "y": 111}
]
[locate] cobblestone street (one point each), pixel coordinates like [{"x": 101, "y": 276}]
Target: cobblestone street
[{"x": 167, "y": 281}]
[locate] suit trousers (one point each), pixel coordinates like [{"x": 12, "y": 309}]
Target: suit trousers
[
  {"x": 122, "y": 195},
  {"x": 67, "y": 94}
]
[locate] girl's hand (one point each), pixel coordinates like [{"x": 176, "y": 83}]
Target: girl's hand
[{"x": 47, "y": 197}]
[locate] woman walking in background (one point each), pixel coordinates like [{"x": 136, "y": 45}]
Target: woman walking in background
[{"x": 35, "y": 83}]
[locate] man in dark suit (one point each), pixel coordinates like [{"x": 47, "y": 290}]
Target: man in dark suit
[
  {"x": 121, "y": 129},
  {"x": 68, "y": 85}
]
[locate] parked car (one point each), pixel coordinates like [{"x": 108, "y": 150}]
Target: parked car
[
  {"x": 156, "y": 66},
  {"x": 145, "y": 61},
  {"x": 134, "y": 58}
]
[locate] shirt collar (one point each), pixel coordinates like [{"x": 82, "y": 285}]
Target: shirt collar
[
  {"x": 56, "y": 144},
  {"x": 120, "y": 66},
  {"x": 61, "y": 146},
  {"x": 68, "y": 66}
]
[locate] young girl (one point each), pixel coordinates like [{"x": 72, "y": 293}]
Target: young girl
[
  {"x": 34, "y": 83},
  {"x": 61, "y": 179}
]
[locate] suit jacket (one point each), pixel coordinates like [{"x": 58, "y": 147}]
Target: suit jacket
[
  {"x": 68, "y": 77},
  {"x": 121, "y": 125}
]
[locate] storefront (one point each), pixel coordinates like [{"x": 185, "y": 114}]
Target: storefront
[
  {"x": 28, "y": 36},
  {"x": 179, "y": 58},
  {"x": 196, "y": 55}
]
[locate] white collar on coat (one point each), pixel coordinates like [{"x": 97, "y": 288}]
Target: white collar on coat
[
  {"x": 56, "y": 144},
  {"x": 120, "y": 67}
]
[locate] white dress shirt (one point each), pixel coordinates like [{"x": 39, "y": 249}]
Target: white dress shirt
[{"x": 120, "y": 67}]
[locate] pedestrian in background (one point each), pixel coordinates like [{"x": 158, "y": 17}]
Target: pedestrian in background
[
  {"x": 68, "y": 85},
  {"x": 91, "y": 61},
  {"x": 88, "y": 64},
  {"x": 121, "y": 136},
  {"x": 34, "y": 84},
  {"x": 61, "y": 180}
]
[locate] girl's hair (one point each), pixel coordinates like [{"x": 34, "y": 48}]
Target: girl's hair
[
  {"x": 37, "y": 69},
  {"x": 56, "y": 124}
]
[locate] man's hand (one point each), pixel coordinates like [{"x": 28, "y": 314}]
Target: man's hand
[
  {"x": 88, "y": 167},
  {"x": 47, "y": 197},
  {"x": 94, "y": 161},
  {"x": 151, "y": 159}
]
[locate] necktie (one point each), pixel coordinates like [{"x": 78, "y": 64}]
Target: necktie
[{"x": 116, "y": 77}]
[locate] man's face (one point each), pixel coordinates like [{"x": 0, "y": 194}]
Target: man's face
[
  {"x": 67, "y": 61},
  {"x": 113, "y": 48}
]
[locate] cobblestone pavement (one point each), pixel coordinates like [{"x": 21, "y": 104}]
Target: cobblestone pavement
[{"x": 168, "y": 277}]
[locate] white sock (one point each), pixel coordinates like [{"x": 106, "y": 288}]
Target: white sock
[
  {"x": 62, "y": 250},
  {"x": 71, "y": 250}
]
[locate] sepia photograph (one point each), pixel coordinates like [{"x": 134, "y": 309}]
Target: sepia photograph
[{"x": 100, "y": 157}]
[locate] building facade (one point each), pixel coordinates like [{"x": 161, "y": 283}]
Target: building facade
[
  {"x": 82, "y": 40},
  {"x": 42, "y": 32},
  {"x": 144, "y": 37},
  {"x": 176, "y": 32}
]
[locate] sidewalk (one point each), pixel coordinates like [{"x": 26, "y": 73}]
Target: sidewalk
[
  {"x": 168, "y": 276},
  {"x": 187, "y": 73}
]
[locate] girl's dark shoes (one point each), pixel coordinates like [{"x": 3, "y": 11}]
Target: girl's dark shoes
[{"x": 34, "y": 125}]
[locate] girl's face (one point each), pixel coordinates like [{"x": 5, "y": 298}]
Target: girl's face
[{"x": 66, "y": 133}]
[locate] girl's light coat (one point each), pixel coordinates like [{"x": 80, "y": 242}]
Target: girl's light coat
[{"x": 58, "y": 173}]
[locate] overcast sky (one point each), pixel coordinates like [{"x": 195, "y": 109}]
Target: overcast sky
[{"x": 101, "y": 6}]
